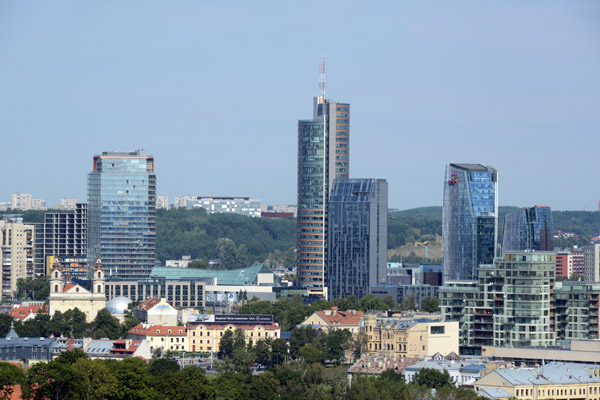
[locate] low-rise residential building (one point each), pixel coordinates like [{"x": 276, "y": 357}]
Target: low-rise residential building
[
  {"x": 118, "y": 349},
  {"x": 163, "y": 337},
  {"x": 464, "y": 372},
  {"x": 156, "y": 311},
  {"x": 26, "y": 311},
  {"x": 206, "y": 335},
  {"x": 556, "y": 380},
  {"x": 409, "y": 337},
  {"x": 335, "y": 319}
]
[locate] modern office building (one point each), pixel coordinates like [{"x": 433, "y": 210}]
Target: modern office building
[
  {"x": 591, "y": 259},
  {"x": 323, "y": 155},
  {"x": 122, "y": 214},
  {"x": 469, "y": 220},
  {"x": 16, "y": 252},
  {"x": 63, "y": 236},
  {"x": 528, "y": 229},
  {"x": 356, "y": 236},
  {"x": 509, "y": 305},
  {"x": 232, "y": 205}
]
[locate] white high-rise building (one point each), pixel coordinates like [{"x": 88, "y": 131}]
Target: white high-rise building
[
  {"x": 162, "y": 202},
  {"x": 67, "y": 204},
  {"x": 20, "y": 201},
  {"x": 16, "y": 253},
  {"x": 591, "y": 260}
]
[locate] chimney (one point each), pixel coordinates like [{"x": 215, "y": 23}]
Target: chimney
[{"x": 334, "y": 310}]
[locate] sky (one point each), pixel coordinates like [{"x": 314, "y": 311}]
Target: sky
[{"x": 214, "y": 89}]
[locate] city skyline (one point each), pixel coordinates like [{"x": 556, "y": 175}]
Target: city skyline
[{"x": 429, "y": 84}]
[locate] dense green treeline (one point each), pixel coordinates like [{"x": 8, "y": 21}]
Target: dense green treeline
[
  {"x": 73, "y": 375},
  {"x": 195, "y": 233}
]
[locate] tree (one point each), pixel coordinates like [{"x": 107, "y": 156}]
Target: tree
[
  {"x": 279, "y": 351},
  {"x": 226, "y": 344},
  {"x": 198, "y": 264},
  {"x": 349, "y": 303},
  {"x": 310, "y": 354},
  {"x": 430, "y": 304},
  {"x": 370, "y": 302},
  {"x": 190, "y": 383},
  {"x": 135, "y": 383},
  {"x": 10, "y": 376},
  {"x": 33, "y": 289},
  {"x": 97, "y": 381},
  {"x": 105, "y": 326},
  {"x": 239, "y": 339},
  {"x": 162, "y": 366},
  {"x": 433, "y": 378},
  {"x": 227, "y": 254},
  {"x": 333, "y": 344},
  {"x": 408, "y": 303}
]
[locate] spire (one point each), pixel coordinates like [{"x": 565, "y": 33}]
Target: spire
[
  {"x": 322, "y": 79},
  {"x": 11, "y": 333}
]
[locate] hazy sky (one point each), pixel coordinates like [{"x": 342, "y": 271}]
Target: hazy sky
[{"x": 214, "y": 90}]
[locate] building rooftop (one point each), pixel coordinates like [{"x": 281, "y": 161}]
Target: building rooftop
[
  {"x": 234, "y": 277},
  {"x": 147, "y": 304},
  {"x": 471, "y": 167},
  {"x": 377, "y": 364},
  {"x": 552, "y": 374},
  {"x": 23, "y": 311},
  {"x": 158, "y": 330},
  {"x": 334, "y": 317}
]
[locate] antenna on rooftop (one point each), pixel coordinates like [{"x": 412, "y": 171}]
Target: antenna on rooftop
[{"x": 322, "y": 77}]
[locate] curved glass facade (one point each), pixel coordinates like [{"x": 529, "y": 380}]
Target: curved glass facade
[
  {"x": 469, "y": 221},
  {"x": 121, "y": 214},
  {"x": 528, "y": 229}
]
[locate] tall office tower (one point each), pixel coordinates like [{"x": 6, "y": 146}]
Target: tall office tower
[
  {"x": 591, "y": 259},
  {"x": 469, "y": 220},
  {"x": 122, "y": 214},
  {"x": 356, "y": 236},
  {"x": 528, "y": 229},
  {"x": 63, "y": 236},
  {"x": 16, "y": 252},
  {"x": 323, "y": 155}
]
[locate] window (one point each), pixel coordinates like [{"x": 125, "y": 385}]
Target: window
[{"x": 438, "y": 330}]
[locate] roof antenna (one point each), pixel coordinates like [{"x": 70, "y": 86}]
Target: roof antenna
[{"x": 322, "y": 78}]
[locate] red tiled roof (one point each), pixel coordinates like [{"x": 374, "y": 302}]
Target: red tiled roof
[
  {"x": 335, "y": 317},
  {"x": 68, "y": 286},
  {"x": 157, "y": 330},
  {"x": 148, "y": 303},
  {"x": 22, "y": 312}
]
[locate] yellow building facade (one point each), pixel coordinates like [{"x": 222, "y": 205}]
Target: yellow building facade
[
  {"x": 411, "y": 337},
  {"x": 206, "y": 337}
]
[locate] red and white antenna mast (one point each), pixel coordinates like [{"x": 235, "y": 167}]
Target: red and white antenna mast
[{"x": 322, "y": 78}]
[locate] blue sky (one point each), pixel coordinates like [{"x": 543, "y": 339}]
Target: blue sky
[{"x": 214, "y": 89}]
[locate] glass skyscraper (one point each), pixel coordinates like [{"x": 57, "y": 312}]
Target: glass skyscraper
[
  {"x": 469, "y": 220},
  {"x": 528, "y": 229},
  {"x": 122, "y": 213},
  {"x": 323, "y": 155},
  {"x": 356, "y": 236}
]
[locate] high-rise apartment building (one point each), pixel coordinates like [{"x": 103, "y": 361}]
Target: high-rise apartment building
[
  {"x": 323, "y": 155},
  {"x": 591, "y": 259},
  {"x": 469, "y": 220},
  {"x": 20, "y": 201},
  {"x": 356, "y": 236},
  {"x": 508, "y": 305},
  {"x": 16, "y": 252},
  {"x": 63, "y": 236},
  {"x": 528, "y": 229},
  {"x": 68, "y": 203},
  {"x": 569, "y": 263},
  {"x": 162, "y": 202},
  {"x": 122, "y": 214}
]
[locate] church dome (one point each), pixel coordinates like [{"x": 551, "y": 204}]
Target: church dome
[{"x": 118, "y": 305}]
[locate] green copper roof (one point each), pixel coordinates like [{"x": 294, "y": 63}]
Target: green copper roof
[{"x": 239, "y": 277}]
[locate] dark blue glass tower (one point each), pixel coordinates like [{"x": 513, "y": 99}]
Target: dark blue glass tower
[
  {"x": 356, "y": 236},
  {"x": 121, "y": 214},
  {"x": 469, "y": 220},
  {"x": 528, "y": 229}
]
